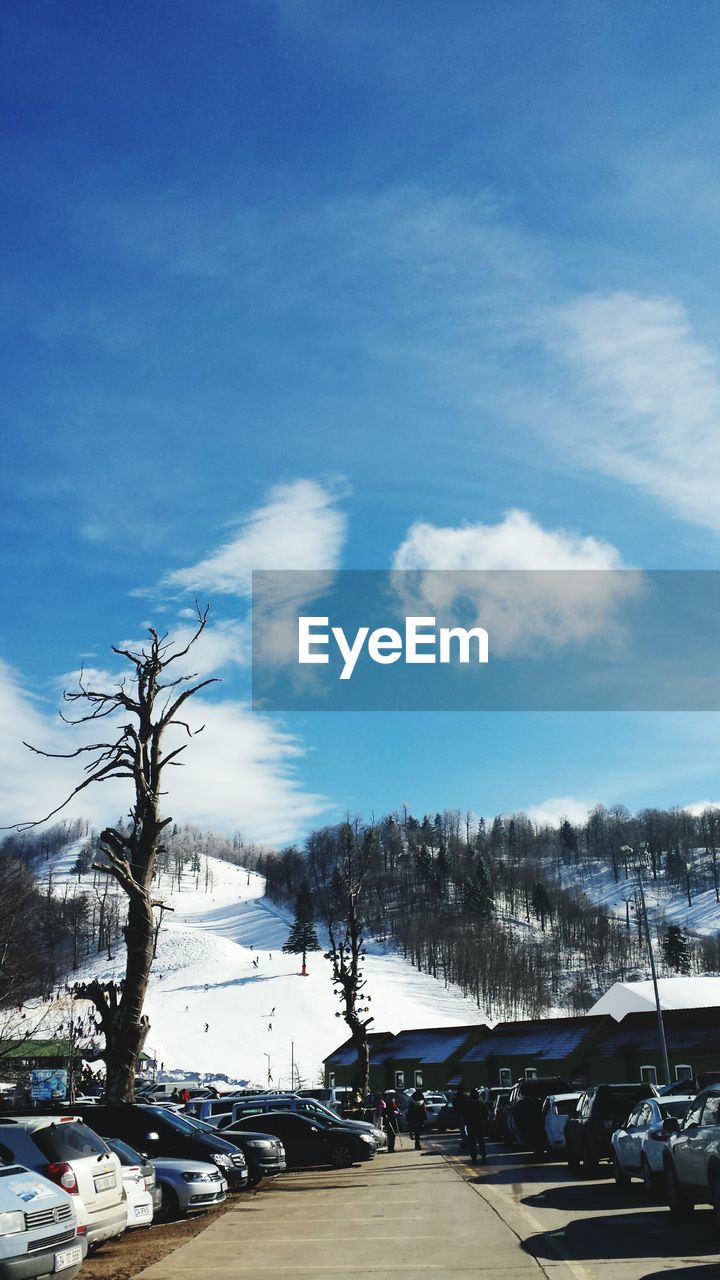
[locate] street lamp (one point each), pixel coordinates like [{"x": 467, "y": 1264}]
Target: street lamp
[{"x": 625, "y": 848}]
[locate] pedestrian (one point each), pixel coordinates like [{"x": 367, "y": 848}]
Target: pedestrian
[
  {"x": 417, "y": 1116},
  {"x": 185, "y": 1095},
  {"x": 380, "y": 1109},
  {"x": 392, "y": 1122},
  {"x": 460, "y": 1104},
  {"x": 477, "y": 1118},
  {"x": 174, "y": 1096}
]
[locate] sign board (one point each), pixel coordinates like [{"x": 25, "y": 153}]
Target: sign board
[{"x": 48, "y": 1085}]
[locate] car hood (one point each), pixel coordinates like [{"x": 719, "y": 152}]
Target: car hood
[{"x": 167, "y": 1164}]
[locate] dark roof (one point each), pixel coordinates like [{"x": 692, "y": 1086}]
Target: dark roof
[
  {"x": 433, "y": 1044},
  {"x": 551, "y": 1038},
  {"x": 379, "y": 1044},
  {"x": 687, "y": 1031}
]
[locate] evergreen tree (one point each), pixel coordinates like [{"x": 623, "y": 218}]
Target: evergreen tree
[
  {"x": 541, "y": 904},
  {"x": 675, "y": 950},
  {"x": 302, "y": 937}
]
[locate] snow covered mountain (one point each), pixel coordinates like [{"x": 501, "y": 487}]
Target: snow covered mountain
[{"x": 224, "y": 998}]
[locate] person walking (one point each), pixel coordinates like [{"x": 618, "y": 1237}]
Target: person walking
[
  {"x": 477, "y": 1118},
  {"x": 417, "y": 1116},
  {"x": 460, "y": 1103},
  {"x": 391, "y": 1121}
]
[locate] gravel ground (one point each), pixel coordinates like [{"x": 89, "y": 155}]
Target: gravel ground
[{"x": 135, "y": 1250}]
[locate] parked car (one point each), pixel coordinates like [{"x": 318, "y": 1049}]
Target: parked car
[
  {"x": 265, "y": 1155},
  {"x": 435, "y": 1104},
  {"x": 309, "y": 1140},
  {"x": 601, "y": 1110},
  {"x": 556, "y": 1109},
  {"x": 38, "y": 1227},
  {"x": 188, "y": 1186},
  {"x": 210, "y": 1108},
  {"x": 308, "y": 1107},
  {"x": 143, "y": 1194},
  {"x": 447, "y": 1118},
  {"x": 499, "y": 1110},
  {"x": 525, "y": 1122},
  {"x": 156, "y": 1131},
  {"x": 69, "y": 1153},
  {"x": 638, "y": 1145},
  {"x": 691, "y": 1160},
  {"x": 334, "y": 1099}
]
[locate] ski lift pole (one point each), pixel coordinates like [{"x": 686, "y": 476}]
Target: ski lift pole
[{"x": 653, "y": 971}]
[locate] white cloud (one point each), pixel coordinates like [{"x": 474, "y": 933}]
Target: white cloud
[
  {"x": 649, "y": 406},
  {"x": 241, "y": 771},
  {"x": 495, "y": 570},
  {"x": 298, "y": 527},
  {"x": 557, "y": 809}
]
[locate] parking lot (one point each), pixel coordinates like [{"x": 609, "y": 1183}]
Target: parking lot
[{"x": 432, "y": 1213}]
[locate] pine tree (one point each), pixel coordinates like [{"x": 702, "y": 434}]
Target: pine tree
[
  {"x": 675, "y": 950},
  {"x": 302, "y": 937}
]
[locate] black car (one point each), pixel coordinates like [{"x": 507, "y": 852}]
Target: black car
[
  {"x": 525, "y": 1121},
  {"x": 155, "y": 1131},
  {"x": 265, "y": 1154},
  {"x": 309, "y": 1141},
  {"x": 601, "y": 1110}
]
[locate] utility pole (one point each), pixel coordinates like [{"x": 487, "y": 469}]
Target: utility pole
[
  {"x": 648, "y": 939},
  {"x": 292, "y": 1065}
]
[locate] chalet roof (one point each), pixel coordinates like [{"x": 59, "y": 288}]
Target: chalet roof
[
  {"x": 11, "y": 1050},
  {"x": 687, "y": 1031},
  {"x": 551, "y": 1038},
  {"x": 432, "y": 1044},
  {"x": 379, "y": 1043},
  {"x": 694, "y": 991}
]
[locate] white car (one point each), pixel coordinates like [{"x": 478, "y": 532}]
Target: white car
[
  {"x": 38, "y": 1228},
  {"x": 63, "y": 1149},
  {"x": 556, "y": 1109},
  {"x": 434, "y": 1103},
  {"x": 139, "y": 1198},
  {"x": 638, "y": 1146}
]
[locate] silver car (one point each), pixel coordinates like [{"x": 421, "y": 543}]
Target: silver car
[{"x": 188, "y": 1186}]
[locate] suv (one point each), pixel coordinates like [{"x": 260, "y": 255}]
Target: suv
[
  {"x": 692, "y": 1157},
  {"x": 155, "y": 1131},
  {"x": 307, "y": 1107},
  {"x": 525, "y": 1122},
  {"x": 601, "y": 1110},
  {"x": 38, "y": 1228},
  {"x": 67, "y": 1152}
]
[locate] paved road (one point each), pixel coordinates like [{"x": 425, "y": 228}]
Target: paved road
[
  {"x": 600, "y": 1232},
  {"x": 433, "y": 1215}
]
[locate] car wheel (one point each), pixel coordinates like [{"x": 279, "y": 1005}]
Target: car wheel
[
  {"x": 341, "y": 1157},
  {"x": 649, "y": 1179},
  {"x": 441, "y": 1128},
  {"x": 622, "y": 1179},
  {"x": 170, "y": 1205},
  {"x": 573, "y": 1160},
  {"x": 590, "y": 1164},
  {"x": 254, "y": 1179},
  {"x": 681, "y": 1206}
]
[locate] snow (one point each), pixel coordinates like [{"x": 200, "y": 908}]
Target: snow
[
  {"x": 220, "y": 964},
  {"x": 675, "y": 993}
]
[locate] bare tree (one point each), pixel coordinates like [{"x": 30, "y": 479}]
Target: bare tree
[{"x": 149, "y": 705}]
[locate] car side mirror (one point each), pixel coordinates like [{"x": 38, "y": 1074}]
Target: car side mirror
[
  {"x": 671, "y": 1124},
  {"x": 152, "y": 1137}
]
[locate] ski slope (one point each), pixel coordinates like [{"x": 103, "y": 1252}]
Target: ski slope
[{"x": 220, "y": 966}]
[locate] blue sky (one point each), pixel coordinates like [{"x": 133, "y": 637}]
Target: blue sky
[{"x": 306, "y": 284}]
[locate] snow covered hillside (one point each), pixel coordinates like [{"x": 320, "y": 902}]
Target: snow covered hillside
[{"x": 220, "y": 966}]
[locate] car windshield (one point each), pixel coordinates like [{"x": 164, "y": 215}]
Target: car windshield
[
  {"x": 566, "y": 1106},
  {"x": 615, "y": 1103},
  {"x": 125, "y": 1154},
  {"x": 677, "y": 1108},
  {"x": 176, "y": 1121}
]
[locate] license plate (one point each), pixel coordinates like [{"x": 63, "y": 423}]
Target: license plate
[
  {"x": 105, "y": 1182},
  {"x": 142, "y": 1210},
  {"x": 68, "y": 1257}
]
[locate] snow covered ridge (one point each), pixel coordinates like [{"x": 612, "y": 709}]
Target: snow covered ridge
[
  {"x": 225, "y": 1000},
  {"x": 700, "y": 991}
]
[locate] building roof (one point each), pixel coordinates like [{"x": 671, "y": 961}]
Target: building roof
[
  {"x": 551, "y": 1038},
  {"x": 687, "y": 1031},
  {"x": 680, "y": 992},
  {"x": 433, "y": 1044},
  {"x": 379, "y": 1044}
]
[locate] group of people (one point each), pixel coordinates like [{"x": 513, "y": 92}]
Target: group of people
[{"x": 470, "y": 1109}]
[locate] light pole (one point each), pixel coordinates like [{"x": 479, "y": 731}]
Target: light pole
[
  {"x": 658, "y": 1007},
  {"x": 269, "y": 1073}
]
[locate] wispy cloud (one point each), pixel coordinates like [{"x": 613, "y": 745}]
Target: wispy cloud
[
  {"x": 298, "y": 527},
  {"x": 647, "y": 399}
]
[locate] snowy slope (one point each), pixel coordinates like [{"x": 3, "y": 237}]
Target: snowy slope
[{"x": 220, "y": 964}]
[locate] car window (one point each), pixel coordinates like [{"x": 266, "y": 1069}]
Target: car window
[
  {"x": 68, "y": 1141},
  {"x": 711, "y": 1114},
  {"x": 645, "y": 1114},
  {"x": 693, "y": 1115},
  {"x": 634, "y": 1117},
  {"x": 676, "y": 1108},
  {"x": 126, "y": 1155}
]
